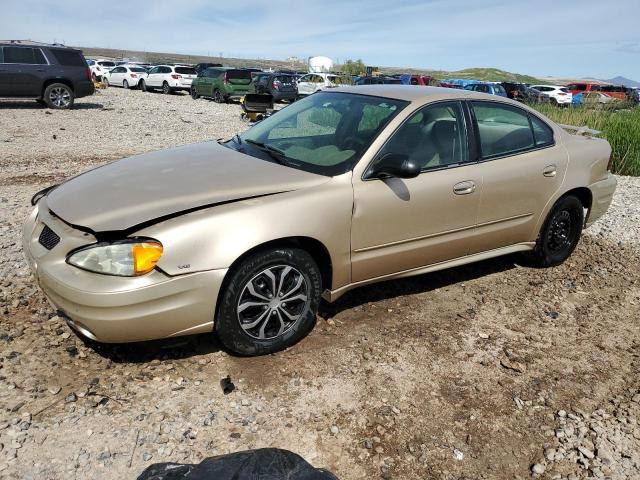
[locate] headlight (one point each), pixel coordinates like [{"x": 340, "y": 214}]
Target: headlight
[{"x": 125, "y": 258}]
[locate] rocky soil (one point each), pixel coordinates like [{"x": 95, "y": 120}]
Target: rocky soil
[{"x": 489, "y": 371}]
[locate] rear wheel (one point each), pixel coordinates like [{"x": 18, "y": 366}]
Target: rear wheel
[
  {"x": 166, "y": 89},
  {"x": 270, "y": 302},
  {"x": 217, "y": 96},
  {"x": 125, "y": 84},
  {"x": 560, "y": 234},
  {"x": 59, "y": 96},
  {"x": 194, "y": 93}
]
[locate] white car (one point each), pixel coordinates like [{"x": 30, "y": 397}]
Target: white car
[
  {"x": 169, "y": 78},
  {"x": 100, "y": 67},
  {"x": 313, "y": 82},
  {"x": 126, "y": 76},
  {"x": 558, "y": 94}
]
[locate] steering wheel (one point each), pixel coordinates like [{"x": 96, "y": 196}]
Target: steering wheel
[{"x": 355, "y": 142}]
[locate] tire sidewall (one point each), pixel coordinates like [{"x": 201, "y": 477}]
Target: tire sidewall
[
  {"x": 227, "y": 326},
  {"x": 166, "y": 89},
  {"x": 125, "y": 85},
  {"x": 575, "y": 209}
]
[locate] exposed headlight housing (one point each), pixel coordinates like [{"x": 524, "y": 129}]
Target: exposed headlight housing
[{"x": 124, "y": 258}]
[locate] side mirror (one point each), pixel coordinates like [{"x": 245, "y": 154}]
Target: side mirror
[{"x": 394, "y": 165}]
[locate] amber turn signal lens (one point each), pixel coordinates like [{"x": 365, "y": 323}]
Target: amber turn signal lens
[{"x": 145, "y": 256}]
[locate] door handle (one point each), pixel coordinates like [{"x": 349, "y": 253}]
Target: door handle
[
  {"x": 550, "y": 171},
  {"x": 464, "y": 188}
]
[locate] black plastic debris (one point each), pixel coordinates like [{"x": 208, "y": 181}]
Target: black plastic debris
[
  {"x": 227, "y": 385},
  {"x": 264, "y": 463}
]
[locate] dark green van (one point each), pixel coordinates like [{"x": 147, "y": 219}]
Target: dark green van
[{"x": 221, "y": 83}]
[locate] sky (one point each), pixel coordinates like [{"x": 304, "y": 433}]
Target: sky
[{"x": 542, "y": 38}]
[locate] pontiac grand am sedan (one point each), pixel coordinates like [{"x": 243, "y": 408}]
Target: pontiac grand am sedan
[{"x": 344, "y": 188}]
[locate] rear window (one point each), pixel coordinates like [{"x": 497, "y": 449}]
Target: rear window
[
  {"x": 239, "y": 77},
  {"x": 69, "y": 58},
  {"x": 284, "y": 78},
  {"x": 186, "y": 71}
]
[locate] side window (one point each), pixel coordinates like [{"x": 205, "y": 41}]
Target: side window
[
  {"x": 503, "y": 129},
  {"x": 433, "y": 137},
  {"x": 153, "y": 70},
  {"x": 542, "y": 132},
  {"x": 1, "y": 55},
  {"x": 21, "y": 55}
]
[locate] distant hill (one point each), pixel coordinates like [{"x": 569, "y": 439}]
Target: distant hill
[
  {"x": 624, "y": 81},
  {"x": 487, "y": 74}
]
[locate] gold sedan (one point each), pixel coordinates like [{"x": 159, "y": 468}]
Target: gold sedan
[{"x": 344, "y": 188}]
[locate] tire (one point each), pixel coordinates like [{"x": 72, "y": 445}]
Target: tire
[
  {"x": 105, "y": 80},
  {"x": 194, "y": 93},
  {"x": 125, "y": 85},
  {"x": 560, "y": 233},
  {"x": 217, "y": 96},
  {"x": 144, "y": 87},
  {"x": 93, "y": 77},
  {"x": 270, "y": 323},
  {"x": 166, "y": 89},
  {"x": 59, "y": 96},
  {"x": 553, "y": 101}
]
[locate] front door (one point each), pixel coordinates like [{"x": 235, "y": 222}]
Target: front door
[{"x": 404, "y": 224}]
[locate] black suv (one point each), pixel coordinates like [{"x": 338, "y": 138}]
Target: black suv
[
  {"x": 51, "y": 74},
  {"x": 281, "y": 85}
]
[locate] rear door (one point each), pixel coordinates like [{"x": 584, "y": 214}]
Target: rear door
[
  {"x": 23, "y": 71},
  {"x": 306, "y": 85},
  {"x": 521, "y": 166}
]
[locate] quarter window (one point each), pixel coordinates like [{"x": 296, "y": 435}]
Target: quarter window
[
  {"x": 503, "y": 129},
  {"x": 542, "y": 132},
  {"x": 433, "y": 137}
]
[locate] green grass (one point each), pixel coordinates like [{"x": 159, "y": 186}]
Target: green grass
[{"x": 620, "y": 127}]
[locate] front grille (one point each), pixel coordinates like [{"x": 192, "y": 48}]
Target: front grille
[{"x": 48, "y": 238}]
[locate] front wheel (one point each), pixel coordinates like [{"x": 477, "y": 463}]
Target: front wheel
[
  {"x": 270, "y": 302},
  {"x": 194, "y": 93},
  {"x": 105, "y": 81},
  {"x": 560, "y": 234}
]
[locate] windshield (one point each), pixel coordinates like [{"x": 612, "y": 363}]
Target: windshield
[{"x": 325, "y": 133}]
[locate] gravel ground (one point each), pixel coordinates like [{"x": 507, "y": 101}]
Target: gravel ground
[{"x": 489, "y": 371}]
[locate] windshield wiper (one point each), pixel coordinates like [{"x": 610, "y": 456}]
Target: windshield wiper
[{"x": 278, "y": 155}]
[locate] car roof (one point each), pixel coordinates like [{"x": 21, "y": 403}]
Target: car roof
[{"x": 418, "y": 93}]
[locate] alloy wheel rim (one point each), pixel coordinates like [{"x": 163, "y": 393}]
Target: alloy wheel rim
[
  {"x": 272, "y": 302},
  {"x": 559, "y": 236},
  {"x": 60, "y": 97}
]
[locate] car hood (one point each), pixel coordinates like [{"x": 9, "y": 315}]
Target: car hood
[{"x": 137, "y": 190}]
